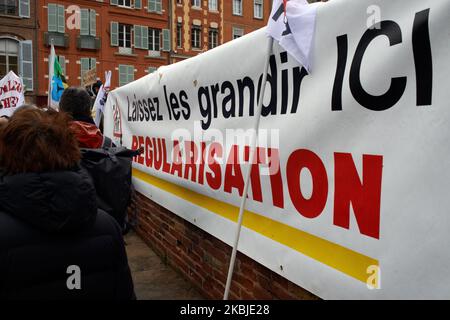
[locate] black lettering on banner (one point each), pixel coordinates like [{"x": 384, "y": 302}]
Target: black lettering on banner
[
  {"x": 133, "y": 112},
  {"x": 146, "y": 110},
  {"x": 159, "y": 117},
  {"x": 184, "y": 103},
  {"x": 174, "y": 105},
  {"x": 299, "y": 75},
  {"x": 422, "y": 58},
  {"x": 141, "y": 110},
  {"x": 205, "y": 110},
  {"x": 342, "y": 47},
  {"x": 247, "y": 82},
  {"x": 231, "y": 97},
  {"x": 385, "y": 101},
  {"x": 423, "y": 61},
  {"x": 167, "y": 103},
  {"x": 271, "y": 108},
  {"x": 284, "y": 81},
  {"x": 215, "y": 89},
  {"x": 151, "y": 106}
]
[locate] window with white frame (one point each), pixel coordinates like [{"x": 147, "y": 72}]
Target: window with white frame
[
  {"x": 179, "y": 35},
  {"x": 17, "y": 56},
  {"x": 154, "y": 39},
  {"x": 125, "y": 35},
  {"x": 213, "y": 6},
  {"x": 137, "y": 4},
  {"x": 196, "y": 35},
  {"x": 213, "y": 38},
  {"x": 258, "y": 9},
  {"x": 237, "y": 33},
  {"x": 9, "y": 7},
  {"x": 9, "y": 56},
  {"x": 19, "y": 8},
  {"x": 196, "y": 3},
  {"x": 124, "y": 3},
  {"x": 237, "y": 7}
]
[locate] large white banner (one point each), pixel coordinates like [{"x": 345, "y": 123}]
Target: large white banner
[{"x": 349, "y": 197}]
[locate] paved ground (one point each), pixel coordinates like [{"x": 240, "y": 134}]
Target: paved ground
[{"x": 154, "y": 280}]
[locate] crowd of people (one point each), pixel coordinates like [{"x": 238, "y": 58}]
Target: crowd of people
[{"x": 52, "y": 218}]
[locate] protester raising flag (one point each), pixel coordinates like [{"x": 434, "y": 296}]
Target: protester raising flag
[
  {"x": 57, "y": 81},
  {"x": 292, "y": 24},
  {"x": 100, "y": 100}
]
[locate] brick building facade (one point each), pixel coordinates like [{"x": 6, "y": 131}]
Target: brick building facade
[
  {"x": 200, "y": 25},
  {"x": 196, "y": 27},
  {"x": 18, "y": 42},
  {"x": 244, "y": 16},
  {"x": 129, "y": 37}
]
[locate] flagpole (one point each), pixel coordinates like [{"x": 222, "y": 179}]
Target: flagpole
[
  {"x": 247, "y": 178},
  {"x": 51, "y": 63}
]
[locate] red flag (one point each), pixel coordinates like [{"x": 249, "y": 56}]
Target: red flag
[{"x": 285, "y": 4}]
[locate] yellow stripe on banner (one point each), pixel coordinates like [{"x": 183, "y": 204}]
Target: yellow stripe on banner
[{"x": 336, "y": 256}]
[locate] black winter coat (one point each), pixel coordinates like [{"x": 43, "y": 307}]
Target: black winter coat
[{"x": 48, "y": 222}]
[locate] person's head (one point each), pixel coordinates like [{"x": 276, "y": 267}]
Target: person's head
[
  {"x": 38, "y": 141},
  {"x": 5, "y": 119},
  {"x": 26, "y": 106},
  {"x": 76, "y": 102}
]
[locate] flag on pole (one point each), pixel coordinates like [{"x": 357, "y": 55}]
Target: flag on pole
[
  {"x": 100, "y": 100},
  {"x": 57, "y": 81},
  {"x": 292, "y": 24}
]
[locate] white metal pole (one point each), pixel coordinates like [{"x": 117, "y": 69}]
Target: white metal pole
[
  {"x": 247, "y": 178},
  {"x": 51, "y": 67}
]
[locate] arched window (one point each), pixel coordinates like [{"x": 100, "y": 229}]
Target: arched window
[
  {"x": 9, "y": 56},
  {"x": 17, "y": 56}
]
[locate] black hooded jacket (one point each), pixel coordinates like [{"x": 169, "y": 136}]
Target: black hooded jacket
[{"x": 49, "y": 222}]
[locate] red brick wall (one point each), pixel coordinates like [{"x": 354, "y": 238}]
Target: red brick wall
[
  {"x": 203, "y": 259},
  {"x": 247, "y": 22}
]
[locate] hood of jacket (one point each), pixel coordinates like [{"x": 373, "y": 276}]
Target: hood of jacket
[
  {"x": 88, "y": 135},
  {"x": 59, "y": 201}
]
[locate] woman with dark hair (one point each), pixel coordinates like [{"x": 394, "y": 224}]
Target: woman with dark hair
[
  {"x": 77, "y": 103},
  {"x": 49, "y": 222}
]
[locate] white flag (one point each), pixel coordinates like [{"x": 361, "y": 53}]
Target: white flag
[
  {"x": 11, "y": 94},
  {"x": 294, "y": 28},
  {"x": 100, "y": 100},
  {"x": 51, "y": 73}
]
